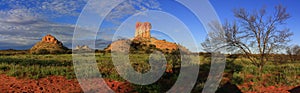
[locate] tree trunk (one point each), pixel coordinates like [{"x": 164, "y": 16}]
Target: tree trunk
[
  {"x": 260, "y": 67},
  {"x": 260, "y": 73}
]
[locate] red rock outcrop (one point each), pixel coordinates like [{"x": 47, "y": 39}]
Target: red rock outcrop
[
  {"x": 50, "y": 39},
  {"x": 49, "y": 44},
  {"x": 143, "y": 38},
  {"x": 142, "y": 30}
]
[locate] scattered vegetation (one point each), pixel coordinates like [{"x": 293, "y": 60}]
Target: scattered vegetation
[
  {"x": 37, "y": 66},
  {"x": 254, "y": 32},
  {"x": 48, "y": 48},
  {"x": 253, "y": 40},
  {"x": 239, "y": 70},
  {"x": 294, "y": 53}
]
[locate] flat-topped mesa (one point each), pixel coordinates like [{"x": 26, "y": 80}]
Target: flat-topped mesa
[
  {"x": 142, "y": 30},
  {"x": 51, "y": 39}
]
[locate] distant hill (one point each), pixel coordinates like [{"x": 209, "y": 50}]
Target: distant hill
[
  {"x": 48, "y": 45},
  {"x": 13, "y": 52}
]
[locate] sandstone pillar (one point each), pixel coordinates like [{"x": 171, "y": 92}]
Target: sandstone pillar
[{"x": 142, "y": 30}]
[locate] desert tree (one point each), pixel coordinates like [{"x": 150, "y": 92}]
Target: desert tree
[
  {"x": 255, "y": 34},
  {"x": 293, "y": 52}
]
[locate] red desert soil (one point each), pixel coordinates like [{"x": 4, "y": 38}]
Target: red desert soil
[
  {"x": 52, "y": 84},
  {"x": 269, "y": 89},
  {"x": 63, "y": 85}
]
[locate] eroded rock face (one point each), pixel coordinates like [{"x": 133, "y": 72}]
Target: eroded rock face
[
  {"x": 142, "y": 30},
  {"x": 51, "y": 39},
  {"x": 143, "y": 41}
]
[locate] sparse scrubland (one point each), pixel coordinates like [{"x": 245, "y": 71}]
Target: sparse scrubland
[{"x": 239, "y": 72}]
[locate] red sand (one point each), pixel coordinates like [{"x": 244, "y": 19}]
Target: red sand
[
  {"x": 63, "y": 85},
  {"x": 52, "y": 84}
]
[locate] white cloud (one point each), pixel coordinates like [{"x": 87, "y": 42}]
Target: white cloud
[
  {"x": 131, "y": 7},
  {"x": 63, "y": 7},
  {"x": 23, "y": 28},
  {"x": 18, "y": 16},
  {"x": 24, "y": 22},
  {"x": 51, "y": 7},
  {"x": 18, "y": 19}
]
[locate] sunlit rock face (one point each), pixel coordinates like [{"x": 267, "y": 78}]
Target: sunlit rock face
[
  {"x": 142, "y": 30},
  {"x": 51, "y": 39},
  {"x": 143, "y": 41},
  {"x": 48, "y": 45}
]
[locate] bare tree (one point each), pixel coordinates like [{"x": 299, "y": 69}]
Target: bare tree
[
  {"x": 293, "y": 52},
  {"x": 255, "y": 34}
]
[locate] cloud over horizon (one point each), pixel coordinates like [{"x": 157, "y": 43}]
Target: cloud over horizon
[{"x": 23, "y": 23}]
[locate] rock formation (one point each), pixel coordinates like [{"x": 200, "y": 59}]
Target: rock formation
[
  {"x": 119, "y": 45},
  {"x": 48, "y": 45},
  {"x": 143, "y": 30},
  {"x": 143, "y": 42},
  {"x": 51, "y": 39},
  {"x": 84, "y": 47}
]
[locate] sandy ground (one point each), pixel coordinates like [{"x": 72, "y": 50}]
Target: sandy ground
[{"x": 53, "y": 84}]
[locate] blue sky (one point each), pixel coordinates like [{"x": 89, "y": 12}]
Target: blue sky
[
  {"x": 225, "y": 8},
  {"x": 24, "y": 23}
]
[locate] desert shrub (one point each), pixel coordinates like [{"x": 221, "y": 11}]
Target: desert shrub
[
  {"x": 57, "y": 52},
  {"x": 154, "y": 88},
  {"x": 233, "y": 67},
  {"x": 36, "y": 72},
  {"x": 4, "y": 67},
  {"x": 272, "y": 74},
  {"x": 69, "y": 51},
  {"x": 42, "y": 51},
  {"x": 237, "y": 78},
  {"x": 37, "y": 66},
  {"x": 115, "y": 76}
]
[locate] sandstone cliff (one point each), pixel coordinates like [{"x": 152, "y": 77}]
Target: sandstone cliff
[{"x": 142, "y": 30}]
